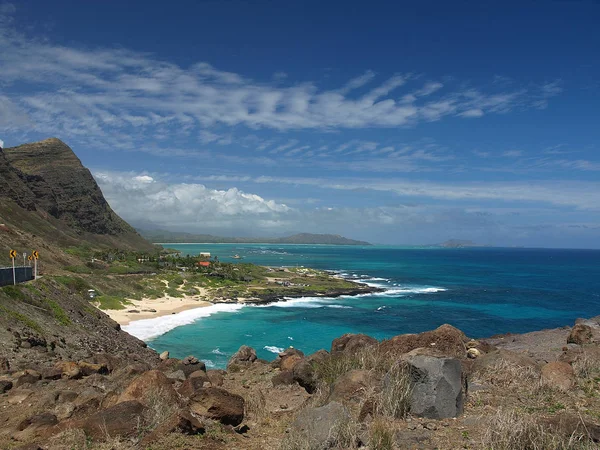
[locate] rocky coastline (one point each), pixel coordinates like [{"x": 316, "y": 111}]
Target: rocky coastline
[{"x": 436, "y": 389}]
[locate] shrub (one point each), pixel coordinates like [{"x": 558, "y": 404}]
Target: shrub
[
  {"x": 111, "y": 302},
  {"x": 509, "y": 430},
  {"x": 73, "y": 283},
  {"x": 394, "y": 399},
  {"x": 14, "y": 292},
  {"x": 381, "y": 435}
]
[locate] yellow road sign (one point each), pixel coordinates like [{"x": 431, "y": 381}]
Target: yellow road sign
[
  {"x": 13, "y": 254},
  {"x": 36, "y": 255},
  {"x": 29, "y": 257}
]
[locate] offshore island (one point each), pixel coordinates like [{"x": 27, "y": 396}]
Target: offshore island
[{"x": 70, "y": 377}]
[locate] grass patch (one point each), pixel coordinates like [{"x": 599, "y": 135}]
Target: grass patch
[
  {"x": 394, "y": 399},
  {"x": 14, "y": 292},
  {"x": 78, "y": 269},
  {"x": 381, "y": 435},
  {"x": 21, "y": 318},
  {"x": 73, "y": 283},
  {"x": 509, "y": 430},
  {"x": 59, "y": 313},
  {"x": 111, "y": 302}
]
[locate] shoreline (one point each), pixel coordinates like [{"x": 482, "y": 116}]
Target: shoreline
[{"x": 153, "y": 308}]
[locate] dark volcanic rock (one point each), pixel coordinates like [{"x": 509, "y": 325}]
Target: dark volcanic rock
[
  {"x": 218, "y": 404},
  {"x": 243, "y": 357},
  {"x": 148, "y": 387},
  {"x": 437, "y": 387},
  {"x": 316, "y": 426},
  {"x": 5, "y": 386},
  {"x": 123, "y": 419},
  {"x": 351, "y": 343},
  {"x": 446, "y": 339}
]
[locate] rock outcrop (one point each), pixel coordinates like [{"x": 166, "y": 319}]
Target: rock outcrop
[{"x": 436, "y": 387}]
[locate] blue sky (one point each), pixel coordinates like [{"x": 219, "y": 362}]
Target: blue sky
[{"x": 393, "y": 122}]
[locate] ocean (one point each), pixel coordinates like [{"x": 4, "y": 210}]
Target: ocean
[{"x": 482, "y": 291}]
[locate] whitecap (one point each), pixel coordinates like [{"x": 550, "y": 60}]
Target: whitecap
[
  {"x": 290, "y": 338},
  {"x": 273, "y": 349},
  {"x": 217, "y": 351},
  {"x": 208, "y": 363},
  {"x": 302, "y": 302},
  {"x": 151, "y": 328},
  {"x": 339, "y": 306}
]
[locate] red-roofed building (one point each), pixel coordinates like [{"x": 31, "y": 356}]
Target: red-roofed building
[{"x": 203, "y": 263}]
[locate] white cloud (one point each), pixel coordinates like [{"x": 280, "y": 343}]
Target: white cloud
[
  {"x": 143, "y": 199},
  {"x": 96, "y": 93}
]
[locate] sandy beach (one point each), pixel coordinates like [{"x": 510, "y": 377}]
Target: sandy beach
[{"x": 156, "y": 307}]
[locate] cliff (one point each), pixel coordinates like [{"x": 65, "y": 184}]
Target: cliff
[{"x": 49, "y": 201}]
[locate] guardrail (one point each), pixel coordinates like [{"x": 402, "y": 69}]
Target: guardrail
[{"x": 22, "y": 274}]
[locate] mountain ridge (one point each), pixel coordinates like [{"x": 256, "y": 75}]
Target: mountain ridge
[{"x": 164, "y": 236}]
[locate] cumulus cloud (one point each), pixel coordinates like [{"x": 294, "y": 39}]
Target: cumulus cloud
[{"x": 142, "y": 198}]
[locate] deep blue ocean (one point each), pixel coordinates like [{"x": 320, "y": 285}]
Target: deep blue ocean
[{"x": 482, "y": 291}]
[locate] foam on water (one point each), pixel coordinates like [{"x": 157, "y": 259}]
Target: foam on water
[
  {"x": 273, "y": 349},
  {"x": 150, "y": 328},
  {"x": 217, "y": 351}
]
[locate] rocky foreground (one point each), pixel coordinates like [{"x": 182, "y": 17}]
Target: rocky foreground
[{"x": 437, "y": 389}]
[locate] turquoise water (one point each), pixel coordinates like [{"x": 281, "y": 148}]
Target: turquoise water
[{"x": 481, "y": 291}]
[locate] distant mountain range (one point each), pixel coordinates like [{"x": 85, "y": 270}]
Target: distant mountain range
[{"x": 301, "y": 238}]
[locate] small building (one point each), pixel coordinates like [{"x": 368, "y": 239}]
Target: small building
[
  {"x": 203, "y": 263},
  {"x": 205, "y": 255}
]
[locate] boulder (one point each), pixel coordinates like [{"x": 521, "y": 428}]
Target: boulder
[
  {"x": 69, "y": 369},
  {"x": 580, "y": 334},
  {"x": 316, "y": 427},
  {"x": 436, "y": 386},
  {"x": 194, "y": 382},
  {"x": 218, "y": 404},
  {"x": 216, "y": 376},
  {"x": 288, "y": 363},
  {"x": 88, "y": 369},
  {"x": 147, "y": 387},
  {"x": 5, "y": 386},
  {"x": 123, "y": 419},
  {"x": 52, "y": 373},
  {"x": 164, "y": 355},
  {"x": 177, "y": 375},
  {"x": 445, "y": 339},
  {"x": 34, "y": 426},
  {"x": 243, "y": 357},
  {"x": 351, "y": 387},
  {"x": 283, "y": 379},
  {"x": 66, "y": 396},
  {"x": 28, "y": 376},
  {"x": 181, "y": 421},
  {"x": 351, "y": 343},
  {"x": 111, "y": 362},
  {"x": 304, "y": 371},
  {"x": 190, "y": 365},
  {"x": 39, "y": 420},
  {"x": 572, "y": 426},
  {"x": 559, "y": 375},
  {"x": 286, "y": 359}
]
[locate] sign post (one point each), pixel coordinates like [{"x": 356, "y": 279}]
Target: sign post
[
  {"x": 13, "y": 255},
  {"x": 35, "y": 255},
  {"x": 24, "y": 257}
]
